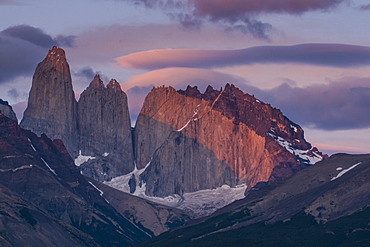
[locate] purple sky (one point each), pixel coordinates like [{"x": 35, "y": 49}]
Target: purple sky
[{"x": 309, "y": 58}]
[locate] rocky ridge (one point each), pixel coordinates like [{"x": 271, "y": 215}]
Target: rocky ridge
[
  {"x": 219, "y": 137},
  {"x": 7, "y": 110},
  {"x": 184, "y": 141},
  {"x": 324, "y": 205},
  {"x": 44, "y": 195},
  {"x": 45, "y": 201}
]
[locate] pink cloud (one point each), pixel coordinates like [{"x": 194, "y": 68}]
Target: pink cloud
[
  {"x": 19, "y": 109},
  {"x": 336, "y": 55},
  {"x": 332, "y": 149},
  {"x": 108, "y": 42},
  {"x": 137, "y": 87}
]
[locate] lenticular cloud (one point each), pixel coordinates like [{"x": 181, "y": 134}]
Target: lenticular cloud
[{"x": 334, "y": 55}]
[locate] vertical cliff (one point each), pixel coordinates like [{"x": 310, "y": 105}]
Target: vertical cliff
[
  {"x": 104, "y": 129},
  {"x": 52, "y": 107},
  {"x": 189, "y": 141},
  {"x": 98, "y": 126}
]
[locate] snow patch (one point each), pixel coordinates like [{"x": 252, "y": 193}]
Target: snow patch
[
  {"x": 93, "y": 185},
  {"x": 202, "y": 202},
  {"x": 193, "y": 118},
  {"x": 82, "y": 159},
  {"x": 105, "y": 154},
  {"x": 49, "y": 166},
  {"x": 17, "y": 169},
  {"x": 301, "y": 154},
  {"x": 345, "y": 171},
  {"x": 121, "y": 182},
  {"x": 294, "y": 128},
  {"x": 34, "y": 149}
]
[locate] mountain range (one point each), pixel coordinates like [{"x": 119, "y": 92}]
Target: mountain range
[{"x": 59, "y": 166}]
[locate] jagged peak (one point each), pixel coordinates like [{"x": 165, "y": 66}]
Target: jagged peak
[
  {"x": 56, "y": 53},
  {"x": 114, "y": 84},
  {"x": 57, "y": 58},
  {"x": 7, "y": 110},
  {"x": 97, "y": 82}
]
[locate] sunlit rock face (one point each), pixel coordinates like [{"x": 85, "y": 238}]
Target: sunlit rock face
[
  {"x": 52, "y": 107},
  {"x": 196, "y": 141}
]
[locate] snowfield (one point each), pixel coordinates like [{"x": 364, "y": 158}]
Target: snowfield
[
  {"x": 201, "y": 203},
  {"x": 301, "y": 154}
]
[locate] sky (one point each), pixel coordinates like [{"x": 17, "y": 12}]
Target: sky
[{"x": 308, "y": 58}]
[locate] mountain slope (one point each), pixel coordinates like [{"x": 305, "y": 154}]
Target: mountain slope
[
  {"x": 48, "y": 190},
  {"x": 325, "y": 205}
]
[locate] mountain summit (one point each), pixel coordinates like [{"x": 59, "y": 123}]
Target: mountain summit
[
  {"x": 188, "y": 141},
  {"x": 96, "y": 130},
  {"x": 52, "y": 107}
]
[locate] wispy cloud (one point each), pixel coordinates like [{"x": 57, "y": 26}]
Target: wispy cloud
[
  {"x": 336, "y": 55},
  {"x": 365, "y": 7}
]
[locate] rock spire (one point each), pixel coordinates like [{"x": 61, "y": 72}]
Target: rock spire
[
  {"x": 52, "y": 107},
  {"x": 104, "y": 129}
]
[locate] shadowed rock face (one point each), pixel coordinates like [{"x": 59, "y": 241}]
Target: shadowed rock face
[
  {"x": 98, "y": 125},
  {"x": 52, "y": 107},
  {"x": 44, "y": 190},
  {"x": 234, "y": 130},
  {"x": 7, "y": 110},
  {"x": 104, "y": 129}
]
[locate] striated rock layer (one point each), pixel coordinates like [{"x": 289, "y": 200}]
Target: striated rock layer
[
  {"x": 104, "y": 129},
  {"x": 193, "y": 141},
  {"x": 52, "y": 107}
]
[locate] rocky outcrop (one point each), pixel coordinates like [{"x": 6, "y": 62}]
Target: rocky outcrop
[
  {"x": 98, "y": 126},
  {"x": 7, "y": 110},
  {"x": 44, "y": 196},
  {"x": 104, "y": 129},
  {"x": 52, "y": 107},
  {"x": 205, "y": 140}
]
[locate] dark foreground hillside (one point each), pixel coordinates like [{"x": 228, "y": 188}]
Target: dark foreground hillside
[{"x": 324, "y": 205}]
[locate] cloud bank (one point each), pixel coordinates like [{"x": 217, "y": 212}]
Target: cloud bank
[
  {"x": 22, "y": 47},
  {"x": 336, "y": 55},
  {"x": 234, "y": 14},
  {"x": 337, "y": 105}
]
